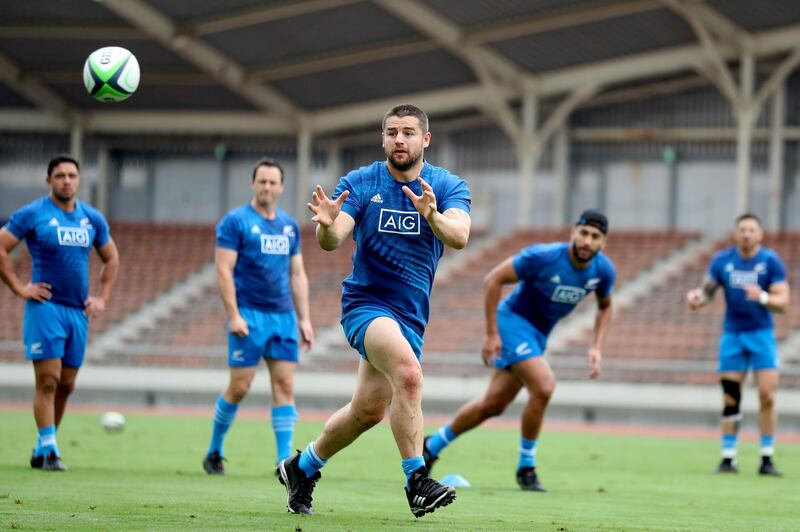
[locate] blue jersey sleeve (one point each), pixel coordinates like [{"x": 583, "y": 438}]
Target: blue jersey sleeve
[
  {"x": 608, "y": 277},
  {"x": 297, "y": 243},
  {"x": 102, "y": 235},
  {"x": 777, "y": 270},
  {"x": 228, "y": 235},
  {"x": 352, "y": 205},
  {"x": 20, "y": 222},
  {"x": 528, "y": 261},
  {"x": 456, "y": 195}
]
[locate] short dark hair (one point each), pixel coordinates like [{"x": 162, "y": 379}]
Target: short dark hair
[
  {"x": 407, "y": 109},
  {"x": 271, "y": 163},
  {"x": 748, "y": 216},
  {"x": 61, "y": 158}
]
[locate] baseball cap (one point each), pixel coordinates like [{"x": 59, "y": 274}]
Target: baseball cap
[{"x": 594, "y": 218}]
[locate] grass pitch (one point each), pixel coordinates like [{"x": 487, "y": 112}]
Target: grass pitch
[{"x": 150, "y": 477}]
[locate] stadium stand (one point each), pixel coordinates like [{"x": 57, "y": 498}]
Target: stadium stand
[
  {"x": 658, "y": 340},
  {"x": 153, "y": 257}
]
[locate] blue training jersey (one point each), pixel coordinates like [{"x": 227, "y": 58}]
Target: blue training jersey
[
  {"x": 264, "y": 248},
  {"x": 59, "y": 243},
  {"x": 732, "y": 272},
  {"x": 550, "y": 286},
  {"x": 396, "y": 251}
]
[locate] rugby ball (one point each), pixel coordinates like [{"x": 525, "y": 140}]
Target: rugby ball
[
  {"x": 111, "y": 74},
  {"x": 113, "y": 421}
]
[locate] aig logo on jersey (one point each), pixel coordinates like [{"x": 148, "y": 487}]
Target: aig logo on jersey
[
  {"x": 73, "y": 236},
  {"x": 399, "y": 222},
  {"x": 570, "y": 295},
  {"x": 275, "y": 244},
  {"x": 740, "y": 278}
]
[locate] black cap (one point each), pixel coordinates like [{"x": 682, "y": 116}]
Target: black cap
[{"x": 594, "y": 218}]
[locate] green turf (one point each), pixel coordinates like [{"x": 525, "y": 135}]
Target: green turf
[{"x": 149, "y": 477}]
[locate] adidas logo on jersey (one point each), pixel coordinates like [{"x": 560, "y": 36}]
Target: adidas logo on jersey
[
  {"x": 255, "y": 230},
  {"x": 556, "y": 279},
  {"x": 376, "y": 198},
  {"x": 53, "y": 222}
]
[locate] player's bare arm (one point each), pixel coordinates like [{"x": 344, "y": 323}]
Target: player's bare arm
[
  {"x": 299, "y": 281},
  {"x": 775, "y": 299},
  {"x": 36, "y": 291},
  {"x": 225, "y": 260},
  {"x": 95, "y": 305},
  {"x": 501, "y": 274},
  {"x": 451, "y": 227},
  {"x": 594, "y": 356},
  {"x": 333, "y": 226},
  {"x": 702, "y": 295}
]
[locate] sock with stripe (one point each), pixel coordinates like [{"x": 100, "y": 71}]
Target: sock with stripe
[
  {"x": 224, "y": 414},
  {"x": 283, "y": 419},
  {"x": 310, "y": 463},
  {"x": 767, "y": 445},
  {"x": 729, "y": 442},
  {"x": 410, "y": 465},
  {"x": 47, "y": 440},
  {"x": 441, "y": 439},
  {"x": 527, "y": 453}
]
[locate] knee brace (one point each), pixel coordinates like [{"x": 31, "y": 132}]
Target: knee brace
[{"x": 732, "y": 389}]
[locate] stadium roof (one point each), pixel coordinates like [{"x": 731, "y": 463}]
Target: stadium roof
[{"x": 324, "y": 66}]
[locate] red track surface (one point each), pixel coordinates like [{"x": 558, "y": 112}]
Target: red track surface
[{"x": 653, "y": 431}]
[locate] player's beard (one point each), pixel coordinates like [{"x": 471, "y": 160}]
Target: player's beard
[
  {"x": 402, "y": 167},
  {"x": 64, "y": 197},
  {"x": 577, "y": 256}
]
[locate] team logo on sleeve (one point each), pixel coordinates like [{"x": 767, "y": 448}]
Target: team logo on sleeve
[
  {"x": 73, "y": 236},
  {"x": 571, "y": 295},
  {"x": 399, "y": 222},
  {"x": 591, "y": 284},
  {"x": 275, "y": 244}
]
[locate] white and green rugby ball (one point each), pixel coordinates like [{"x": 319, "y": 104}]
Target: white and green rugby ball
[{"x": 111, "y": 74}]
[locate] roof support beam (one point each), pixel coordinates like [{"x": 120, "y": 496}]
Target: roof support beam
[
  {"x": 485, "y": 63},
  {"x": 251, "y": 17},
  {"x": 34, "y": 91},
  {"x": 564, "y": 18},
  {"x": 205, "y": 57},
  {"x": 72, "y": 32},
  {"x": 715, "y": 68},
  {"x": 341, "y": 60}
]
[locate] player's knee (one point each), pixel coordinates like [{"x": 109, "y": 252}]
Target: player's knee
[
  {"x": 493, "y": 407},
  {"x": 238, "y": 390},
  {"x": 408, "y": 379},
  {"x": 766, "y": 398},
  {"x": 66, "y": 387},
  {"x": 545, "y": 390},
  {"x": 732, "y": 396},
  {"x": 284, "y": 386},
  {"x": 47, "y": 383},
  {"x": 370, "y": 415}
]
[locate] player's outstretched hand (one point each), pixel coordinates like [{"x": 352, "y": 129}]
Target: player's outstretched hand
[
  {"x": 94, "y": 306},
  {"x": 325, "y": 209},
  {"x": 238, "y": 327},
  {"x": 426, "y": 203},
  {"x": 694, "y": 298},
  {"x": 37, "y": 291},
  {"x": 593, "y": 358},
  {"x": 306, "y": 334},
  {"x": 491, "y": 347}
]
